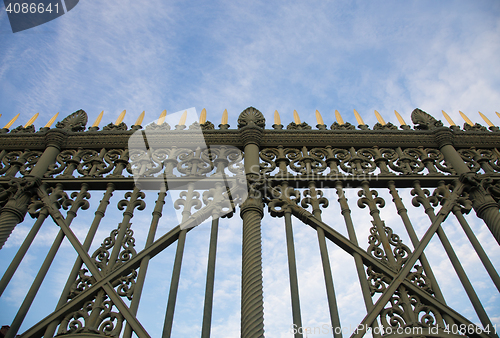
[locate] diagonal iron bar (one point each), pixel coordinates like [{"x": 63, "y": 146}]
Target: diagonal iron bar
[
  {"x": 151, "y": 251},
  {"x": 124, "y": 309},
  {"x": 368, "y": 260}
]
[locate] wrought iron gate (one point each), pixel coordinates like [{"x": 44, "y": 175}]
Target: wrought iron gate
[{"x": 287, "y": 172}]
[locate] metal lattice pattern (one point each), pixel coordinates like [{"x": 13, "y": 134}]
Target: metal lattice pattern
[{"x": 449, "y": 171}]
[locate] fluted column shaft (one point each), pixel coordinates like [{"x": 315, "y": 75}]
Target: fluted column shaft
[
  {"x": 251, "y": 124},
  {"x": 252, "y": 301}
]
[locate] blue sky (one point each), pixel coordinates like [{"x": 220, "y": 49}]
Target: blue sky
[{"x": 283, "y": 55}]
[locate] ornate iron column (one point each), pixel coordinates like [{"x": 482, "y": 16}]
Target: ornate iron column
[
  {"x": 22, "y": 189},
  {"x": 251, "y": 123},
  {"x": 477, "y": 185}
]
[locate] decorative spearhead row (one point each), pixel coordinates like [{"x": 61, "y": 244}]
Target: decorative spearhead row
[{"x": 421, "y": 120}]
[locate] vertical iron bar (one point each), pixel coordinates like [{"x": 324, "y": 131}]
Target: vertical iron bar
[
  {"x": 139, "y": 284},
  {"x": 469, "y": 289},
  {"x": 176, "y": 271},
  {"x": 325, "y": 260},
  {"x": 403, "y": 213},
  {"x": 14, "y": 264},
  {"x": 363, "y": 281},
  {"x": 477, "y": 246},
  {"x": 174, "y": 284},
  {"x": 209, "y": 289},
  {"x": 292, "y": 270},
  {"x": 375, "y": 213},
  {"x": 99, "y": 214},
  {"x": 42, "y": 272}
]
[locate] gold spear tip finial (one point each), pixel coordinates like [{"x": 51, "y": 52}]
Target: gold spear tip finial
[
  {"x": 98, "y": 119},
  {"x": 487, "y": 120},
  {"x": 277, "y": 119},
  {"x": 469, "y": 122},
  {"x": 448, "y": 118},
  {"x": 120, "y": 118},
  {"x": 140, "y": 118},
  {"x": 400, "y": 118},
  {"x": 203, "y": 116},
  {"x": 11, "y": 122},
  {"x": 296, "y": 117},
  {"x": 182, "y": 121},
  {"x": 52, "y": 120},
  {"x": 224, "y": 117},
  {"x": 497, "y": 114},
  {"x": 161, "y": 119},
  {"x": 319, "y": 119},
  {"x": 380, "y": 119},
  {"x": 358, "y": 118},
  {"x": 338, "y": 117},
  {"x": 31, "y": 120}
]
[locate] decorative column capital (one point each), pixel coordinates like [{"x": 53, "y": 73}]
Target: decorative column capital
[
  {"x": 484, "y": 192},
  {"x": 56, "y": 138},
  {"x": 443, "y": 136},
  {"x": 252, "y": 204},
  {"x": 251, "y": 124}
]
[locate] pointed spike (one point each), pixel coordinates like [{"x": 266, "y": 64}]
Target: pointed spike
[
  {"x": 338, "y": 117},
  {"x": 11, "y": 122},
  {"x": 203, "y": 116},
  {"x": 486, "y": 119},
  {"x": 139, "y": 119},
  {"x": 120, "y": 118},
  {"x": 224, "y": 117},
  {"x": 400, "y": 118},
  {"x": 319, "y": 119},
  {"x": 497, "y": 114},
  {"x": 161, "y": 119},
  {"x": 182, "y": 121},
  {"x": 469, "y": 122},
  {"x": 358, "y": 117},
  {"x": 448, "y": 118},
  {"x": 31, "y": 120},
  {"x": 98, "y": 119},
  {"x": 0, "y": 115},
  {"x": 52, "y": 120},
  {"x": 380, "y": 119},
  {"x": 296, "y": 117},
  {"x": 277, "y": 119}
]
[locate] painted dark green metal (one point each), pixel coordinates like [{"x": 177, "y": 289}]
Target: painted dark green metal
[{"x": 462, "y": 166}]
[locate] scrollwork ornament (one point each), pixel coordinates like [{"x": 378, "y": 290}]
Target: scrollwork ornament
[
  {"x": 298, "y": 126},
  {"x": 345, "y": 126},
  {"x": 82, "y": 283},
  {"x": 420, "y": 279},
  {"x": 387, "y": 126},
  {"x": 115, "y": 127},
  {"x": 19, "y": 130},
  {"x": 127, "y": 285},
  {"x": 280, "y": 198},
  {"x": 377, "y": 282},
  {"x": 475, "y": 127},
  {"x": 153, "y": 126}
]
